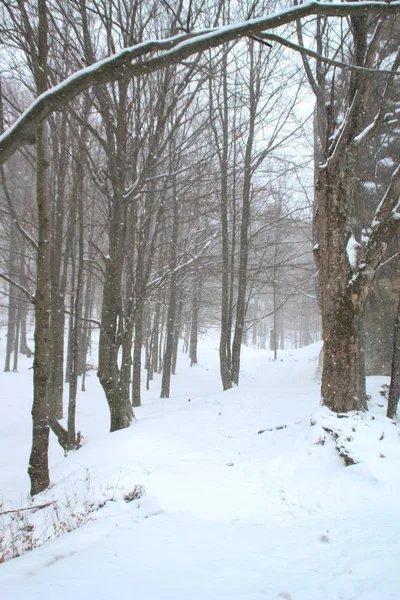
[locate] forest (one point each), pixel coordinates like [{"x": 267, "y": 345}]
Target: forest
[{"x": 170, "y": 168}]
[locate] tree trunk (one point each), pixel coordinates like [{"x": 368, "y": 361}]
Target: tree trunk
[
  {"x": 244, "y": 227},
  {"x": 194, "y": 326},
  {"x": 168, "y": 354},
  {"x": 57, "y": 324},
  {"x": 177, "y": 335},
  {"x": 12, "y": 300},
  {"x": 342, "y": 386},
  {"x": 17, "y": 332},
  {"x": 225, "y": 335},
  {"x": 137, "y": 354},
  {"x": 109, "y": 373},
  {"x": 394, "y": 389},
  {"x": 58, "y": 279},
  {"x": 23, "y": 343},
  {"x": 73, "y": 442},
  {"x": 38, "y": 469},
  {"x": 156, "y": 329}
]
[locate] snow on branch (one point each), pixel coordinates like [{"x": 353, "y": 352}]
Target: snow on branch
[
  {"x": 19, "y": 287},
  {"x": 133, "y": 61},
  {"x": 168, "y": 272},
  {"x": 324, "y": 59},
  {"x": 384, "y": 225}
]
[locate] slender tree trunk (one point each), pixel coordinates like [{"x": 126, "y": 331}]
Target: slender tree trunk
[
  {"x": 149, "y": 360},
  {"x": 168, "y": 354},
  {"x": 156, "y": 329},
  {"x": 137, "y": 354},
  {"x": 12, "y": 300},
  {"x": 23, "y": 342},
  {"x": 17, "y": 333},
  {"x": 38, "y": 469},
  {"x": 86, "y": 333},
  {"x": 68, "y": 369},
  {"x": 78, "y": 304},
  {"x": 161, "y": 339},
  {"x": 224, "y": 343},
  {"x": 244, "y": 229},
  {"x": 58, "y": 280},
  {"x": 194, "y": 325},
  {"x": 394, "y": 388},
  {"x": 177, "y": 335}
]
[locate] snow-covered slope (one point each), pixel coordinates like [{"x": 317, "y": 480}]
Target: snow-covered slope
[{"x": 247, "y": 492}]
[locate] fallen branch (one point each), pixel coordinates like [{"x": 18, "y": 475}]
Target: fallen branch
[
  {"x": 279, "y": 427},
  {"x": 36, "y": 507},
  {"x": 341, "y": 450}
]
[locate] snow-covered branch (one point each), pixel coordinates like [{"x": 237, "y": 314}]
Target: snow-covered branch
[
  {"x": 385, "y": 224},
  {"x": 19, "y": 287},
  {"x": 167, "y": 273},
  {"x": 133, "y": 61}
]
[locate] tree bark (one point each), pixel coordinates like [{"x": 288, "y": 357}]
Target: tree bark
[
  {"x": 194, "y": 326},
  {"x": 225, "y": 335},
  {"x": 177, "y": 335},
  {"x": 169, "y": 336},
  {"x": 394, "y": 388},
  {"x": 342, "y": 386},
  {"x": 38, "y": 469},
  {"x": 253, "y": 85},
  {"x": 12, "y": 300}
]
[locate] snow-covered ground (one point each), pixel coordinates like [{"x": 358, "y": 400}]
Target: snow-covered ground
[{"x": 247, "y": 492}]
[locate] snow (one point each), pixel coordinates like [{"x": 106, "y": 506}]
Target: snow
[
  {"x": 247, "y": 495},
  {"x": 387, "y": 161},
  {"x": 366, "y": 131},
  {"x": 369, "y": 185},
  {"x": 352, "y": 250}
]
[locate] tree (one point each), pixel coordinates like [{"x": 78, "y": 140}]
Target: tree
[
  {"x": 345, "y": 276},
  {"x": 394, "y": 388}
]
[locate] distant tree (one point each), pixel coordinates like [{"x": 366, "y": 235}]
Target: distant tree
[{"x": 394, "y": 388}]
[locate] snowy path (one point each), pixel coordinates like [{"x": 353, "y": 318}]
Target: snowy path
[{"x": 229, "y": 513}]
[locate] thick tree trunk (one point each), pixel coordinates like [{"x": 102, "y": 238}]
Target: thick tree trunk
[
  {"x": 342, "y": 386},
  {"x": 109, "y": 374}
]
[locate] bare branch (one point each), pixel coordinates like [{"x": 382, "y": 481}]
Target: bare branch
[
  {"x": 19, "y": 287},
  {"x": 129, "y": 62}
]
